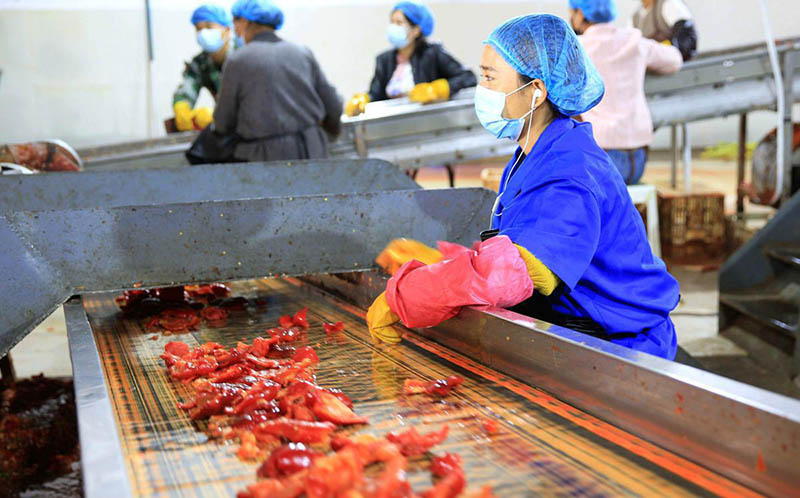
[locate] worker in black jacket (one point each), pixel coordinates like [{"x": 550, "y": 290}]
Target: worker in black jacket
[{"x": 423, "y": 71}]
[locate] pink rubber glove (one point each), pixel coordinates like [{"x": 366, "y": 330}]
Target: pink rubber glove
[{"x": 494, "y": 274}]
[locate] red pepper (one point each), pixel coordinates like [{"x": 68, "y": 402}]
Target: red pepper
[
  {"x": 213, "y": 313},
  {"x": 287, "y": 460},
  {"x": 333, "y": 328},
  {"x": 263, "y": 363},
  {"x": 443, "y": 387},
  {"x": 412, "y": 443},
  {"x": 449, "y": 487},
  {"x": 286, "y": 321},
  {"x": 178, "y": 349},
  {"x": 491, "y": 426},
  {"x": 296, "y": 430},
  {"x": 306, "y": 352},
  {"x": 440, "y": 387},
  {"x": 329, "y": 407},
  {"x": 443, "y": 465},
  {"x": 257, "y": 397},
  {"x": 299, "y": 318},
  {"x": 232, "y": 373}
]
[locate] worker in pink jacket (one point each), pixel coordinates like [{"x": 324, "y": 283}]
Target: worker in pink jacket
[{"x": 621, "y": 121}]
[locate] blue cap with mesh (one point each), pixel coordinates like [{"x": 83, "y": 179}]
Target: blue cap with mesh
[
  {"x": 238, "y": 6},
  {"x": 211, "y": 13},
  {"x": 419, "y": 14},
  {"x": 262, "y": 12},
  {"x": 543, "y": 46},
  {"x": 596, "y": 10}
]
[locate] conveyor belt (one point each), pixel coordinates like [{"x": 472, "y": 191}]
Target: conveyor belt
[{"x": 543, "y": 447}]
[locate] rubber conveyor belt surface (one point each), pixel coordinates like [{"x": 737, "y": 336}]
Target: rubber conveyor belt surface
[{"x": 543, "y": 446}]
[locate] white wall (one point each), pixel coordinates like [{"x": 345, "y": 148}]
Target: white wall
[{"x": 78, "y": 69}]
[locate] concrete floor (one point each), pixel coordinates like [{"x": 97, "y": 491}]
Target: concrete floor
[{"x": 45, "y": 350}]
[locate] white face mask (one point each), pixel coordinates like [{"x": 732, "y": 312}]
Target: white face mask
[
  {"x": 210, "y": 39},
  {"x": 489, "y": 105},
  {"x": 397, "y": 35}
]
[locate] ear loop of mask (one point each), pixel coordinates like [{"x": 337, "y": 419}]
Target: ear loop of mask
[{"x": 536, "y": 95}]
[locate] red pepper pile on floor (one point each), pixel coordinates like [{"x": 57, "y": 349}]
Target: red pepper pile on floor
[{"x": 265, "y": 394}]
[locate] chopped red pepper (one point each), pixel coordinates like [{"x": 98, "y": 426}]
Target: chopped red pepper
[
  {"x": 296, "y": 430},
  {"x": 213, "y": 313},
  {"x": 443, "y": 465},
  {"x": 286, "y": 321},
  {"x": 306, "y": 352},
  {"x": 491, "y": 426},
  {"x": 287, "y": 460},
  {"x": 178, "y": 349},
  {"x": 300, "y": 318},
  {"x": 412, "y": 443},
  {"x": 440, "y": 387},
  {"x": 449, "y": 487},
  {"x": 329, "y": 407},
  {"x": 333, "y": 328}
]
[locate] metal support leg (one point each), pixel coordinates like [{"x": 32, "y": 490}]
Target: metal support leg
[
  {"x": 451, "y": 175},
  {"x": 741, "y": 163},
  {"x": 674, "y": 147},
  {"x": 790, "y": 63},
  {"x": 7, "y": 369},
  {"x": 687, "y": 159}
]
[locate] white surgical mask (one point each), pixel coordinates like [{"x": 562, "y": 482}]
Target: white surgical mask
[
  {"x": 210, "y": 39},
  {"x": 489, "y": 105},
  {"x": 397, "y": 35}
]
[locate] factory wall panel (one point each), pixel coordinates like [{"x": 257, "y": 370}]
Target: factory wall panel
[{"x": 79, "y": 70}]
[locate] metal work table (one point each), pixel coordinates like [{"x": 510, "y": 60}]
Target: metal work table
[
  {"x": 577, "y": 415},
  {"x": 734, "y": 81}
]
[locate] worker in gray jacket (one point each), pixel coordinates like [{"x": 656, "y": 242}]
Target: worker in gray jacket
[{"x": 274, "y": 95}]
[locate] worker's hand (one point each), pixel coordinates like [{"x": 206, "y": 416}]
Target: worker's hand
[
  {"x": 357, "y": 104},
  {"x": 183, "y": 115},
  {"x": 401, "y": 251},
  {"x": 203, "y": 116},
  {"x": 380, "y": 319},
  {"x": 425, "y": 93},
  {"x": 667, "y": 43}
]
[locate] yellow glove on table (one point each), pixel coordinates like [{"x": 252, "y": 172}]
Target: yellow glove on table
[
  {"x": 203, "y": 116},
  {"x": 380, "y": 320},
  {"x": 544, "y": 280},
  {"x": 425, "y": 93},
  {"x": 442, "y": 89},
  {"x": 357, "y": 104},
  {"x": 183, "y": 115},
  {"x": 401, "y": 251}
]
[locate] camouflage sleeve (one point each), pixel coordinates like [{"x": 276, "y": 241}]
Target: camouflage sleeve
[{"x": 191, "y": 83}]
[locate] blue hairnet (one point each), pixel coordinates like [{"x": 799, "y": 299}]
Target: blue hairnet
[
  {"x": 596, "y": 10},
  {"x": 238, "y": 6},
  {"x": 211, "y": 13},
  {"x": 543, "y": 46},
  {"x": 419, "y": 14},
  {"x": 262, "y": 12}
]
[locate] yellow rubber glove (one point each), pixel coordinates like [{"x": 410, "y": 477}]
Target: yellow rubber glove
[
  {"x": 400, "y": 251},
  {"x": 203, "y": 116},
  {"x": 380, "y": 320},
  {"x": 666, "y": 42},
  {"x": 183, "y": 115},
  {"x": 442, "y": 89},
  {"x": 544, "y": 280},
  {"x": 424, "y": 93},
  {"x": 357, "y": 104}
]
